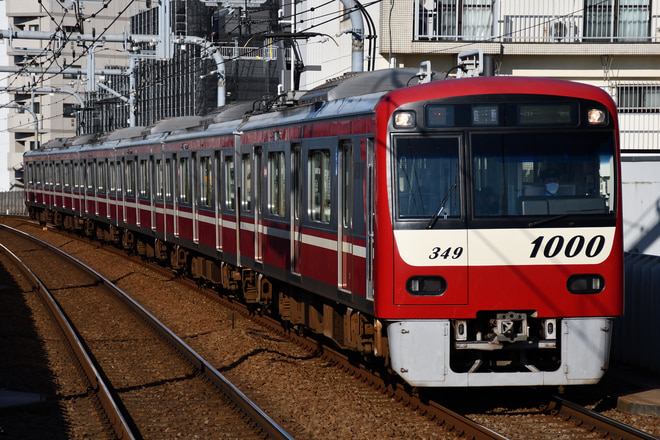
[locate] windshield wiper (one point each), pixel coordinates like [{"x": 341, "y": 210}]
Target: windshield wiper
[
  {"x": 560, "y": 216},
  {"x": 441, "y": 207}
]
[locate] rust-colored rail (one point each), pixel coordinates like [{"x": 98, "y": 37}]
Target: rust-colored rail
[{"x": 609, "y": 427}]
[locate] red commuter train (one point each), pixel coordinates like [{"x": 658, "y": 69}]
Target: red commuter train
[{"x": 467, "y": 231}]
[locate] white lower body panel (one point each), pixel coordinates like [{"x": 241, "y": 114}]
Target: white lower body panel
[{"x": 420, "y": 353}]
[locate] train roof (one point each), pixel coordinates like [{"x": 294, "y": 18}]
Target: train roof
[
  {"x": 352, "y": 84},
  {"x": 351, "y": 94}
]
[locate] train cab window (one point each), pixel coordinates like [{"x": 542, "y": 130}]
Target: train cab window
[
  {"x": 206, "y": 181},
  {"x": 145, "y": 179},
  {"x": 549, "y": 173},
  {"x": 246, "y": 190},
  {"x": 184, "y": 187},
  {"x": 129, "y": 178},
  {"x": 320, "y": 190},
  {"x": 276, "y": 183},
  {"x": 427, "y": 178},
  {"x": 230, "y": 201}
]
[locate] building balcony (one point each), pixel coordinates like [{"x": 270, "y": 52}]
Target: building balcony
[{"x": 511, "y": 23}]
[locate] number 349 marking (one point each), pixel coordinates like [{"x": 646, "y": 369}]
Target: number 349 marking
[{"x": 453, "y": 253}]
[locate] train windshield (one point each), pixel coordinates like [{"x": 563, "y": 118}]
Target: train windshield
[
  {"x": 523, "y": 175},
  {"x": 539, "y": 174},
  {"x": 427, "y": 179}
]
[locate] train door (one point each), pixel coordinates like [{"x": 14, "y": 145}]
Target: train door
[
  {"x": 122, "y": 177},
  {"x": 196, "y": 184},
  {"x": 296, "y": 208},
  {"x": 217, "y": 190},
  {"x": 345, "y": 217},
  {"x": 103, "y": 186},
  {"x": 175, "y": 198},
  {"x": 48, "y": 184},
  {"x": 369, "y": 218},
  {"x": 258, "y": 203}
]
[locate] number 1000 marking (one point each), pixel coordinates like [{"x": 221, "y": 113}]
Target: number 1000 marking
[{"x": 554, "y": 245}]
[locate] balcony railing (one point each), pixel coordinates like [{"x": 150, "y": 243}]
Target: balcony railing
[{"x": 538, "y": 21}]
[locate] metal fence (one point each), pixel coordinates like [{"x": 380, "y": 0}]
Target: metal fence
[
  {"x": 636, "y": 341},
  {"x": 12, "y": 203}
]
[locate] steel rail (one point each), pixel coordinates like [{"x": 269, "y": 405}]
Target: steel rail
[
  {"x": 99, "y": 386},
  {"x": 268, "y": 425},
  {"x": 599, "y": 422}
]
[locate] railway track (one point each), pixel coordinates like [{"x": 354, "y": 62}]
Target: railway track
[
  {"x": 595, "y": 422},
  {"x": 451, "y": 424},
  {"x": 150, "y": 383}
]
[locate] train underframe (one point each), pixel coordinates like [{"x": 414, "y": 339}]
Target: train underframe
[
  {"x": 297, "y": 308},
  {"x": 505, "y": 348}
]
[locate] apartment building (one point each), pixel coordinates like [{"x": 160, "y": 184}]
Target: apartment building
[
  {"x": 35, "y": 64},
  {"x": 612, "y": 44}
]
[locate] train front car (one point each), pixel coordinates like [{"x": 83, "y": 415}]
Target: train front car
[{"x": 498, "y": 244}]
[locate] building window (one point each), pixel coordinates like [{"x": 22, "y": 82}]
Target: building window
[
  {"x": 69, "y": 110},
  {"x": 627, "y": 20},
  {"x": 470, "y": 20},
  {"x": 639, "y": 98}
]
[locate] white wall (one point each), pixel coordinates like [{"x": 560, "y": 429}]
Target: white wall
[
  {"x": 641, "y": 203},
  {"x": 4, "y": 134}
]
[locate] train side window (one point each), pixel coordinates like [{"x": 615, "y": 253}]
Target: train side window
[
  {"x": 37, "y": 179},
  {"x": 230, "y": 201},
  {"x": 184, "y": 180},
  {"x": 167, "y": 182},
  {"x": 74, "y": 177},
  {"x": 58, "y": 175},
  {"x": 246, "y": 190},
  {"x": 276, "y": 183},
  {"x": 102, "y": 176},
  {"x": 159, "y": 180},
  {"x": 91, "y": 176},
  {"x": 130, "y": 178},
  {"x": 111, "y": 177},
  {"x": 66, "y": 177},
  {"x": 320, "y": 190},
  {"x": 80, "y": 177},
  {"x": 119, "y": 175},
  {"x": 145, "y": 173},
  {"x": 206, "y": 181}
]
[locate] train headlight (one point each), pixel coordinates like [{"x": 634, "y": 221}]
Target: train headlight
[
  {"x": 426, "y": 285},
  {"x": 585, "y": 283},
  {"x": 596, "y": 116},
  {"x": 404, "y": 119}
]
